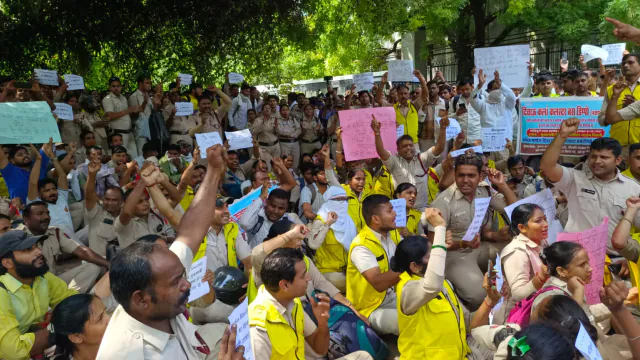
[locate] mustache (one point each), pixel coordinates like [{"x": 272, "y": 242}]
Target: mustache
[{"x": 185, "y": 297}]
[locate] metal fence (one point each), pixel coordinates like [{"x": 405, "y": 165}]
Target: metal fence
[{"x": 546, "y": 53}]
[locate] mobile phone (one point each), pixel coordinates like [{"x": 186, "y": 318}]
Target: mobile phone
[
  {"x": 22, "y": 85},
  {"x": 615, "y": 268},
  {"x": 564, "y": 56},
  {"x": 492, "y": 273},
  {"x": 462, "y": 106}
]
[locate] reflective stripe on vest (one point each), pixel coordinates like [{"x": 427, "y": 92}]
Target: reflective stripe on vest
[
  {"x": 330, "y": 256},
  {"x": 434, "y": 331},
  {"x": 364, "y": 297},
  {"x": 231, "y": 231},
  {"x": 626, "y": 132},
  {"x": 286, "y": 343}
]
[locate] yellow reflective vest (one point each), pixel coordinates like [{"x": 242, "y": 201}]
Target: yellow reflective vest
[
  {"x": 286, "y": 343},
  {"x": 364, "y": 297},
  {"x": 384, "y": 183},
  {"x": 410, "y": 122},
  {"x": 435, "y": 331},
  {"x": 413, "y": 221},
  {"x": 231, "y": 231},
  {"x": 626, "y": 132},
  {"x": 330, "y": 256},
  {"x": 252, "y": 289}
]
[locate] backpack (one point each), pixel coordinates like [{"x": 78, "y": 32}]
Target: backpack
[
  {"x": 348, "y": 334},
  {"x": 521, "y": 313},
  {"x": 158, "y": 130}
]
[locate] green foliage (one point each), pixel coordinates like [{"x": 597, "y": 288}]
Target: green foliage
[{"x": 627, "y": 11}]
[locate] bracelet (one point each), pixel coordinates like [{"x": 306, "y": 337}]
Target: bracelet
[
  {"x": 489, "y": 306},
  {"x": 338, "y": 152},
  {"x": 439, "y": 247},
  {"x": 624, "y": 218},
  {"x": 633, "y": 338},
  {"x": 541, "y": 279}
]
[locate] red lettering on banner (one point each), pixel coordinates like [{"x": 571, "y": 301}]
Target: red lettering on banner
[{"x": 583, "y": 110}]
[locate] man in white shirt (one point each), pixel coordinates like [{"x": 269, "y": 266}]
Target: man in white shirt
[
  {"x": 239, "y": 107},
  {"x": 311, "y": 196},
  {"x": 149, "y": 281},
  {"x": 467, "y": 116}
]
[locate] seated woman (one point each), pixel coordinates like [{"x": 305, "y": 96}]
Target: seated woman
[
  {"x": 431, "y": 318},
  {"x": 331, "y": 235},
  {"x": 523, "y": 270},
  {"x": 78, "y": 323},
  {"x": 408, "y": 192}
]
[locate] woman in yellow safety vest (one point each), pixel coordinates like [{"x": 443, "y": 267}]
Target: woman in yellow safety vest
[
  {"x": 430, "y": 315},
  {"x": 331, "y": 234},
  {"x": 408, "y": 192}
]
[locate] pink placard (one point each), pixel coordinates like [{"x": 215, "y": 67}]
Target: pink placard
[
  {"x": 358, "y": 139},
  {"x": 594, "y": 241}
]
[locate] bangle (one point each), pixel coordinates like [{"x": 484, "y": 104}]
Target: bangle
[
  {"x": 338, "y": 152},
  {"x": 489, "y": 306},
  {"x": 439, "y": 247},
  {"x": 539, "y": 278},
  {"x": 624, "y": 218},
  {"x": 633, "y": 338}
]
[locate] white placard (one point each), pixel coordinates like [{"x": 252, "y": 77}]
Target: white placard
[
  {"x": 74, "y": 82},
  {"x": 615, "y": 53},
  {"x": 64, "y": 111},
  {"x": 235, "y": 78},
  {"x": 480, "y": 205},
  {"x": 363, "y": 81},
  {"x": 510, "y": 61},
  {"x": 476, "y": 149},
  {"x": 399, "y": 131},
  {"x": 239, "y": 139},
  {"x": 591, "y": 52},
  {"x": 198, "y": 288},
  {"x": 206, "y": 141},
  {"x": 401, "y": 70},
  {"x": 544, "y": 199},
  {"x": 184, "y": 108},
  {"x": 185, "y": 79},
  {"x": 499, "y": 282},
  {"x": 453, "y": 129},
  {"x": 47, "y": 77},
  {"x": 585, "y": 345},
  {"x": 494, "y": 139},
  {"x": 400, "y": 207},
  {"x": 240, "y": 317}
]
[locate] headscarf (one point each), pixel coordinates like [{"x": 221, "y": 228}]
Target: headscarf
[{"x": 344, "y": 229}]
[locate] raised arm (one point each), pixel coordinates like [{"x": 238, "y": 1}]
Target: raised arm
[
  {"x": 620, "y": 235},
  {"x": 161, "y": 202},
  {"x": 226, "y": 101},
  {"x": 424, "y": 97},
  {"x": 34, "y": 176},
  {"x": 612, "y": 116},
  {"x": 130, "y": 204},
  {"x": 382, "y": 152},
  {"x": 91, "y": 198},
  {"x": 287, "y": 182},
  {"x": 347, "y": 100},
  {"x": 339, "y": 151},
  {"x": 196, "y": 220},
  {"x": 63, "y": 183},
  {"x": 549, "y": 163},
  {"x": 380, "y": 91}
]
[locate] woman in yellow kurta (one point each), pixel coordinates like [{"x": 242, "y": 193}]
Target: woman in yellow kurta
[{"x": 408, "y": 192}]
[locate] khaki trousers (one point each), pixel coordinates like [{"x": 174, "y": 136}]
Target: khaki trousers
[
  {"x": 292, "y": 149},
  {"x": 129, "y": 142},
  {"x": 267, "y": 153},
  {"x": 466, "y": 276},
  {"x": 338, "y": 280},
  {"x": 82, "y": 277},
  {"x": 384, "y": 320},
  {"x": 308, "y": 148}
]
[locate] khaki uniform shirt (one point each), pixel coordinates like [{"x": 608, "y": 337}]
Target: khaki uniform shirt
[
  {"x": 211, "y": 123},
  {"x": 127, "y": 338},
  {"x": 70, "y": 131},
  {"x": 137, "y": 228},
  {"x": 265, "y": 131},
  {"x": 296, "y": 112},
  {"x": 413, "y": 172},
  {"x": 260, "y": 342},
  {"x": 289, "y": 129},
  {"x": 458, "y": 211},
  {"x": 590, "y": 200},
  {"x": 56, "y": 244},
  {"x": 308, "y": 127},
  {"x": 137, "y": 98},
  {"x": 101, "y": 229},
  {"x": 100, "y": 133},
  {"x": 112, "y": 103}
]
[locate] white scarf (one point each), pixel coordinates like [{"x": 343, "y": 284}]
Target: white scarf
[{"x": 344, "y": 229}]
